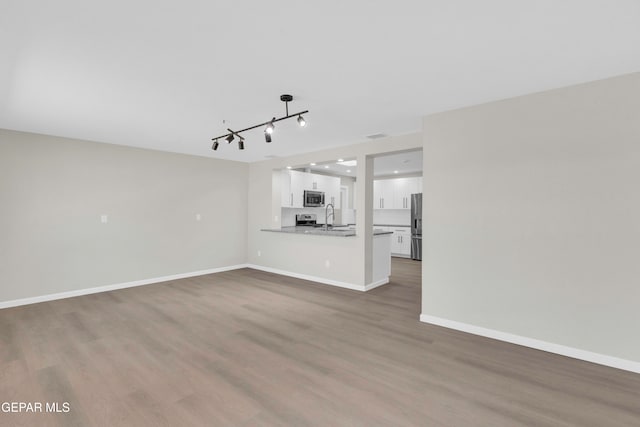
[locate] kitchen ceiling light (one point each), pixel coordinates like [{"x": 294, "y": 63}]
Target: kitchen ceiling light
[
  {"x": 269, "y": 125},
  {"x": 241, "y": 144},
  {"x": 348, "y": 163},
  {"x": 215, "y": 145}
]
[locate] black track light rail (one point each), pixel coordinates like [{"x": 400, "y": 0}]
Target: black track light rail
[{"x": 237, "y": 132}]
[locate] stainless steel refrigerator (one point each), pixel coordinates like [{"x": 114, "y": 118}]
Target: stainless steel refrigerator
[{"x": 416, "y": 226}]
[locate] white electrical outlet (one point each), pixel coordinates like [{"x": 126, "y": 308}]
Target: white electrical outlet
[
  {"x": 327, "y": 263},
  {"x": 198, "y": 217},
  {"x": 104, "y": 219},
  {"x": 259, "y": 253}
]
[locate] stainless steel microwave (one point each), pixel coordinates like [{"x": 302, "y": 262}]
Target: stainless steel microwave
[{"x": 313, "y": 198}]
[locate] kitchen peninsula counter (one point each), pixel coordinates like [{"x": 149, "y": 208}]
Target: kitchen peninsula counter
[{"x": 320, "y": 231}]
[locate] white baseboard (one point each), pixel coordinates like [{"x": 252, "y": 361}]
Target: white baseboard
[
  {"x": 376, "y": 284},
  {"x": 575, "y": 353},
  {"x": 352, "y": 286},
  {"x": 87, "y": 291}
]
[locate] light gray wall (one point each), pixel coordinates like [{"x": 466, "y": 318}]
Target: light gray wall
[
  {"x": 304, "y": 254},
  {"x": 532, "y": 216},
  {"x": 54, "y": 190}
]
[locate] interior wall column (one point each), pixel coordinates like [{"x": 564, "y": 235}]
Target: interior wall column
[{"x": 364, "y": 213}]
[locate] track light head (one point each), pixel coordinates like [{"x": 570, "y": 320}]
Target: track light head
[
  {"x": 269, "y": 128},
  {"x": 215, "y": 145},
  {"x": 301, "y": 121},
  {"x": 267, "y": 137},
  {"x": 241, "y": 144},
  {"x": 229, "y": 138}
]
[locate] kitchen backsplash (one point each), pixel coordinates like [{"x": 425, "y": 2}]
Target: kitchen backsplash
[
  {"x": 289, "y": 215},
  {"x": 392, "y": 216},
  {"x": 387, "y": 216}
]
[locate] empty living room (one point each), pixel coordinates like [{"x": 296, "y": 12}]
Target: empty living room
[{"x": 414, "y": 213}]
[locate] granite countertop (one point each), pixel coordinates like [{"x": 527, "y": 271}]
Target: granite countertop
[{"x": 319, "y": 231}]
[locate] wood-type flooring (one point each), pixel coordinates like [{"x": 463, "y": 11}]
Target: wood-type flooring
[{"x": 250, "y": 348}]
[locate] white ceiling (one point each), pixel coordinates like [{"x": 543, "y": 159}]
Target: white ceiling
[
  {"x": 406, "y": 162},
  {"x": 165, "y": 74}
]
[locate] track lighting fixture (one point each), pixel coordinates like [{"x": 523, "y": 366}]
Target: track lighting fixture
[{"x": 268, "y": 130}]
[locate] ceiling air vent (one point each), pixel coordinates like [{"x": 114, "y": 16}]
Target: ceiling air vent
[{"x": 376, "y": 136}]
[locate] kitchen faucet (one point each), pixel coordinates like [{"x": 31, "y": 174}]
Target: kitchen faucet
[{"x": 326, "y": 215}]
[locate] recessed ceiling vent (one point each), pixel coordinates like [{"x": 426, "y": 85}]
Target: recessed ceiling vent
[{"x": 376, "y": 136}]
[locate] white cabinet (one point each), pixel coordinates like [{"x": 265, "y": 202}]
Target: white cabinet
[
  {"x": 403, "y": 189},
  {"x": 401, "y": 241},
  {"x": 294, "y": 183},
  {"x": 395, "y": 193},
  {"x": 287, "y": 195},
  {"x": 314, "y": 182},
  {"x": 331, "y": 188},
  {"x": 383, "y": 194}
]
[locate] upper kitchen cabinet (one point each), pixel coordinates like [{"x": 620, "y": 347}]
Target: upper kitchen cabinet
[
  {"x": 330, "y": 185},
  {"x": 294, "y": 183},
  {"x": 383, "y": 194},
  {"x": 395, "y": 193},
  {"x": 403, "y": 189},
  {"x": 293, "y": 186}
]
